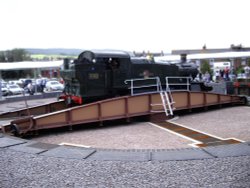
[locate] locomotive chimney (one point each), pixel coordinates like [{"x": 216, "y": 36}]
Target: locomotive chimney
[
  {"x": 183, "y": 58},
  {"x": 65, "y": 63}
]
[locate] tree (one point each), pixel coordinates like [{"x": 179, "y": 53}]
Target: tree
[
  {"x": 20, "y": 55},
  {"x": 14, "y": 55},
  {"x": 205, "y": 67}
]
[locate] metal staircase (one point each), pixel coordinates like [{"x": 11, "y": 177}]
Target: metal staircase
[
  {"x": 166, "y": 96},
  {"x": 167, "y": 102}
]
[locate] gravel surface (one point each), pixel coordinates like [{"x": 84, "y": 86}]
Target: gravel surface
[
  {"x": 231, "y": 122},
  {"x": 26, "y": 170},
  {"x": 129, "y": 136}
]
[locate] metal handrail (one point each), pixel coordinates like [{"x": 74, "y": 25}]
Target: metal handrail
[
  {"x": 187, "y": 83},
  {"x": 132, "y": 86}
]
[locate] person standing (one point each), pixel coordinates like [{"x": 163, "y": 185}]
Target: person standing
[
  {"x": 217, "y": 76},
  {"x": 221, "y": 74},
  {"x": 207, "y": 77},
  {"x": 247, "y": 71},
  {"x": 30, "y": 88},
  {"x": 226, "y": 72},
  {"x": 43, "y": 84}
]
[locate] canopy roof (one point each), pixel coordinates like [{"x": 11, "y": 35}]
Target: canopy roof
[
  {"x": 30, "y": 65},
  {"x": 224, "y": 55}
]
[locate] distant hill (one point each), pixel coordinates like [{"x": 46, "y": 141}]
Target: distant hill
[{"x": 54, "y": 51}]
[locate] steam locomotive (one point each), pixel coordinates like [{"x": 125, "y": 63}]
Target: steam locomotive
[{"x": 96, "y": 75}]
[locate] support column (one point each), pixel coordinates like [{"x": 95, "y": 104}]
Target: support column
[{"x": 1, "y": 95}]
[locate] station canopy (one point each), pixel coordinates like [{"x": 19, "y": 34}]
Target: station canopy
[
  {"x": 219, "y": 55},
  {"x": 223, "y": 55},
  {"x": 31, "y": 65}
]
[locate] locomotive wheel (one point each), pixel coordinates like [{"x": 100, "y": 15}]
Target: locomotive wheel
[{"x": 15, "y": 129}]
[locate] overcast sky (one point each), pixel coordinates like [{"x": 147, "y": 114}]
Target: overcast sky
[{"x": 150, "y": 25}]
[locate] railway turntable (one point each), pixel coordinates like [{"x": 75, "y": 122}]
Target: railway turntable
[
  {"x": 56, "y": 114},
  {"x": 103, "y": 86},
  {"x": 138, "y": 142}
]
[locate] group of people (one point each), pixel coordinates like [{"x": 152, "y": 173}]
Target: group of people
[
  {"x": 222, "y": 74},
  {"x": 40, "y": 84}
]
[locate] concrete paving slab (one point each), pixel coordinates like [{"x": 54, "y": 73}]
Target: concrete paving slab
[
  {"x": 69, "y": 152},
  {"x": 9, "y": 141},
  {"x": 121, "y": 155},
  {"x": 44, "y": 146},
  {"x": 228, "y": 150},
  {"x": 182, "y": 154},
  {"x": 27, "y": 149}
]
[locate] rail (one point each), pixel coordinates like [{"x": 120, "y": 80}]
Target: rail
[
  {"x": 172, "y": 83},
  {"x": 145, "y": 85},
  {"x": 178, "y": 83}
]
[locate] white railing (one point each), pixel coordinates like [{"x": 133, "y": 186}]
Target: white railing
[
  {"x": 175, "y": 83},
  {"x": 155, "y": 84}
]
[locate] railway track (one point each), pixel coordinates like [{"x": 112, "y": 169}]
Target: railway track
[{"x": 201, "y": 139}]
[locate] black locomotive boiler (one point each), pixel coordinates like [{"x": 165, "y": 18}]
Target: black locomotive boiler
[{"x": 97, "y": 75}]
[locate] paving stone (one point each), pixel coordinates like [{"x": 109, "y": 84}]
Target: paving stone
[
  {"x": 9, "y": 141},
  {"x": 45, "y": 146},
  {"x": 229, "y": 150},
  {"x": 27, "y": 149},
  {"x": 121, "y": 155},
  {"x": 182, "y": 154},
  {"x": 69, "y": 152}
]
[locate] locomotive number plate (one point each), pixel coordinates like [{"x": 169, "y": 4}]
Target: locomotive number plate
[{"x": 93, "y": 76}]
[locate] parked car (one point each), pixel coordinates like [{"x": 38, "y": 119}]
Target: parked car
[
  {"x": 54, "y": 86},
  {"x": 14, "y": 89},
  {"x": 4, "y": 89}
]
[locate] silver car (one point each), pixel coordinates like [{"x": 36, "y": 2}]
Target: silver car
[
  {"x": 14, "y": 89},
  {"x": 54, "y": 86}
]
